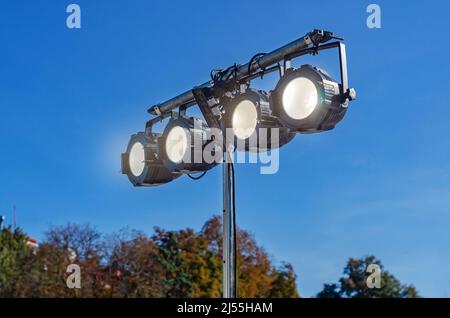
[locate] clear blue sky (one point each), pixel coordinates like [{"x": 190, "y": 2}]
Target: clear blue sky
[{"x": 378, "y": 184}]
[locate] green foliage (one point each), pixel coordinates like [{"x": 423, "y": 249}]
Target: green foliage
[
  {"x": 330, "y": 291},
  {"x": 283, "y": 284},
  {"x": 180, "y": 263},
  {"x": 354, "y": 283},
  {"x": 13, "y": 256},
  {"x": 177, "y": 278}
]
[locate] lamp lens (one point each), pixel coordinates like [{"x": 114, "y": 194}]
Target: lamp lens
[
  {"x": 244, "y": 119},
  {"x": 176, "y": 144},
  {"x": 137, "y": 159},
  {"x": 300, "y": 98}
]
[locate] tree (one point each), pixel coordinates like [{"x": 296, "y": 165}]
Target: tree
[
  {"x": 330, "y": 291},
  {"x": 283, "y": 284},
  {"x": 202, "y": 264},
  {"x": 177, "y": 279},
  {"x": 258, "y": 277},
  {"x": 182, "y": 263},
  {"x": 71, "y": 244},
  {"x": 354, "y": 283},
  {"x": 133, "y": 268},
  {"x": 17, "y": 269}
]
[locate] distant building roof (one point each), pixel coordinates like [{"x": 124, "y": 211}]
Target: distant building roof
[{"x": 32, "y": 242}]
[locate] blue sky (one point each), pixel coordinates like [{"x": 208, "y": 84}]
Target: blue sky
[{"x": 377, "y": 184}]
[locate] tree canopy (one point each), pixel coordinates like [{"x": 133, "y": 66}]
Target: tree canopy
[
  {"x": 354, "y": 283},
  {"x": 181, "y": 263}
]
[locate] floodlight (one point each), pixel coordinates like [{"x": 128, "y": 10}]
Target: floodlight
[
  {"x": 308, "y": 100},
  {"x": 250, "y": 118},
  {"x": 183, "y": 146},
  {"x": 141, "y": 161}
]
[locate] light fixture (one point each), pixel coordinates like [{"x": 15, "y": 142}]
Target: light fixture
[
  {"x": 249, "y": 117},
  {"x": 308, "y": 100},
  {"x": 183, "y": 146},
  {"x": 305, "y": 100},
  {"x": 141, "y": 161}
]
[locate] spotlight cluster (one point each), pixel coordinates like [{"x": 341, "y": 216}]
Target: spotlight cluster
[{"x": 305, "y": 100}]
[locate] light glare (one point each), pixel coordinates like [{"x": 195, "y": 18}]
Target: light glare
[
  {"x": 244, "y": 119},
  {"x": 137, "y": 159},
  {"x": 176, "y": 144},
  {"x": 300, "y": 98}
]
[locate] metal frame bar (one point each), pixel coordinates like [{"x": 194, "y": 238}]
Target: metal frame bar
[
  {"x": 312, "y": 39},
  {"x": 151, "y": 122},
  {"x": 265, "y": 66},
  {"x": 342, "y": 59},
  {"x": 202, "y": 102}
]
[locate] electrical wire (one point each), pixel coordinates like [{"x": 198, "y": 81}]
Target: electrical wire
[
  {"x": 197, "y": 178},
  {"x": 218, "y": 75},
  {"x": 232, "y": 71},
  {"x": 254, "y": 59}
]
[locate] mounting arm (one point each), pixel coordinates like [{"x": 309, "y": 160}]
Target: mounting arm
[{"x": 187, "y": 99}]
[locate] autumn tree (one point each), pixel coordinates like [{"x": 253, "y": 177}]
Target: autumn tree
[
  {"x": 133, "y": 268},
  {"x": 257, "y": 276},
  {"x": 71, "y": 244},
  {"x": 182, "y": 263},
  {"x": 283, "y": 283}
]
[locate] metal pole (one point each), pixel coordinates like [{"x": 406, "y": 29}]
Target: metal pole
[{"x": 228, "y": 232}]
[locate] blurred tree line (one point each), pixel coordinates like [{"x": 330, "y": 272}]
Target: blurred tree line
[
  {"x": 132, "y": 264},
  {"x": 180, "y": 263}
]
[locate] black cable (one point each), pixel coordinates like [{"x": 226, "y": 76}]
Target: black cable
[
  {"x": 197, "y": 178},
  {"x": 235, "y": 260},
  {"x": 218, "y": 75},
  {"x": 232, "y": 71},
  {"x": 252, "y": 59},
  {"x": 225, "y": 74}
]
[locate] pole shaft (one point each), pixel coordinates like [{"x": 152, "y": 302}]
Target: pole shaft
[{"x": 228, "y": 233}]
